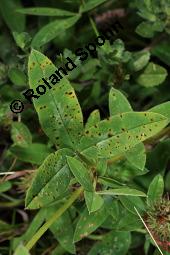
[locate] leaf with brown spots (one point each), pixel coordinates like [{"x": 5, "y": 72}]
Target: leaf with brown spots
[
  {"x": 51, "y": 181},
  {"x": 119, "y": 104},
  {"x": 20, "y": 134},
  {"x": 138, "y": 126},
  {"x": 119, "y": 134},
  {"x": 163, "y": 109},
  {"x": 93, "y": 119},
  {"x": 58, "y": 109}
]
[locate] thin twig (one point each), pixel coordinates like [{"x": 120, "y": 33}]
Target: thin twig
[
  {"x": 6, "y": 173},
  {"x": 18, "y": 174}
]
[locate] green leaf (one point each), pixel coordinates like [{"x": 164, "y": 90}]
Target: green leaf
[
  {"x": 21, "y": 250},
  {"x": 116, "y": 243},
  {"x": 156, "y": 189},
  {"x": 93, "y": 201},
  {"x": 163, "y": 109},
  {"x": 4, "y": 226},
  {"x": 162, "y": 51},
  {"x": 5, "y": 186},
  {"x": 118, "y": 102},
  {"x": 81, "y": 172},
  {"x": 113, "y": 208},
  {"x": 137, "y": 156},
  {"x": 62, "y": 229},
  {"x": 91, "y": 4},
  {"x": 6, "y": 116},
  {"x": 17, "y": 77},
  {"x": 93, "y": 119},
  {"x": 89, "y": 156},
  {"x": 34, "y": 153},
  {"x": 128, "y": 130},
  {"x": 6, "y": 230},
  {"x": 129, "y": 222},
  {"x": 124, "y": 171},
  {"x": 167, "y": 181},
  {"x": 110, "y": 182},
  {"x": 130, "y": 202},
  {"x": 20, "y": 134},
  {"x": 157, "y": 160},
  {"x": 51, "y": 181},
  {"x": 118, "y": 134},
  {"x": 138, "y": 61},
  {"x": 52, "y": 30},
  {"x": 89, "y": 222},
  {"x": 22, "y": 39},
  {"x": 101, "y": 166},
  {"x": 147, "y": 13},
  {"x": 45, "y": 11},
  {"x": 122, "y": 192},
  {"x": 153, "y": 75},
  {"x": 148, "y": 29},
  {"x": 15, "y": 21},
  {"x": 145, "y": 29},
  {"x": 58, "y": 109}
]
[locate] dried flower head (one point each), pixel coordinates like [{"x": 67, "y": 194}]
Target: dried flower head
[
  {"x": 158, "y": 221},
  {"x": 25, "y": 182}
]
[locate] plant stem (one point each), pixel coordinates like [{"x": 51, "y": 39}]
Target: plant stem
[
  {"x": 55, "y": 216},
  {"x": 95, "y": 237},
  {"x": 11, "y": 204},
  {"x": 8, "y": 197},
  {"x": 115, "y": 159},
  {"x": 94, "y": 26}
]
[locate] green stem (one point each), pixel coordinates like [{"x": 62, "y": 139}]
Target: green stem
[
  {"x": 55, "y": 216},
  {"x": 94, "y": 26},
  {"x": 11, "y": 204},
  {"x": 115, "y": 159},
  {"x": 95, "y": 237},
  {"x": 8, "y": 197}
]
